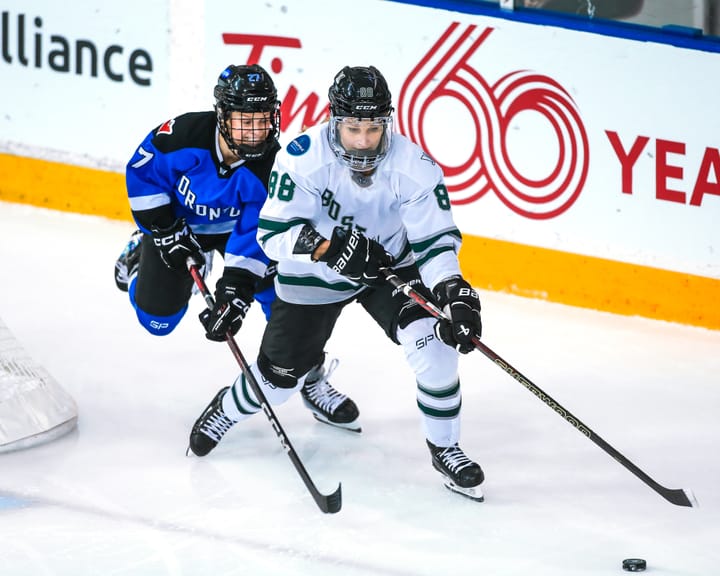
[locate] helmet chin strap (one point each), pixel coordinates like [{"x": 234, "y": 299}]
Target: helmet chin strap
[{"x": 227, "y": 151}]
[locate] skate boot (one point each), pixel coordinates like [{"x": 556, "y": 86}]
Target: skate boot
[
  {"x": 461, "y": 474},
  {"x": 128, "y": 262},
  {"x": 327, "y": 404},
  {"x": 210, "y": 427}
]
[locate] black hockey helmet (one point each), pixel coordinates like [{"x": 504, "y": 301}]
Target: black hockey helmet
[
  {"x": 247, "y": 89},
  {"x": 360, "y": 94}
]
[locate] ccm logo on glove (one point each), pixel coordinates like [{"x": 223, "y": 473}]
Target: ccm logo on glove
[
  {"x": 170, "y": 240},
  {"x": 176, "y": 244}
]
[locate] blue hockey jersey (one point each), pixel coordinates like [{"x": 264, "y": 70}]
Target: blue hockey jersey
[{"x": 177, "y": 171}]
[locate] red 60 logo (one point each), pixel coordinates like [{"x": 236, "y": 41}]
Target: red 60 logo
[{"x": 445, "y": 73}]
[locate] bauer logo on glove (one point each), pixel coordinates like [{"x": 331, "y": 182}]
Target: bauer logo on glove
[{"x": 356, "y": 256}]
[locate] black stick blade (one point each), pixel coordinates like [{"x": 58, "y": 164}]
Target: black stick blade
[
  {"x": 679, "y": 497},
  {"x": 331, "y": 503}
]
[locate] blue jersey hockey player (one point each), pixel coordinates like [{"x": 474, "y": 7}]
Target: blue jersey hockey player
[{"x": 196, "y": 185}]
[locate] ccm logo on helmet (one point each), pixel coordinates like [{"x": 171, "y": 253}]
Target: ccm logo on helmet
[
  {"x": 366, "y": 107},
  {"x": 256, "y": 98}
]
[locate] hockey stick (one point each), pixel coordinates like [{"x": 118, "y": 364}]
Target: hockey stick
[
  {"x": 330, "y": 503},
  {"x": 676, "y": 496}
]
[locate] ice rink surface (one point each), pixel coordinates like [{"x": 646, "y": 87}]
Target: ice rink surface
[{"x": 118, "y": 496}]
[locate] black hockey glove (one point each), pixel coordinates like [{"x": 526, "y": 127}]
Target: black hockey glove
[
  {"x": 176, "y": 243},
  {"x": 356, "y": 256},
  {"x": 233, "y": 296},
  {"x": 461, "y": 305}
]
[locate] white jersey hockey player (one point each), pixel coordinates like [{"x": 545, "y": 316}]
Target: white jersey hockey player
[{"x": 346, "y": 199}]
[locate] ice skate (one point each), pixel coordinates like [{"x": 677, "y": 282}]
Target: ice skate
[
  {"x": 327, "y": 404},
  {"x": 128, "y": 261},
  {"x": 210, "y": 427},
  {"x": 461, "y": 474}
]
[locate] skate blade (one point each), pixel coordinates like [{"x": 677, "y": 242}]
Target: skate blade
[
  {"x": 473, "y": 493},
  {"x": 350, "y": 426}
]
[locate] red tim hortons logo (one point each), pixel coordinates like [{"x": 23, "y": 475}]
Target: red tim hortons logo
[{"x": 492, "y": 163}]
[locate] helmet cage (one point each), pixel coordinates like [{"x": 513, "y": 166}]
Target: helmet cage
[
  {"x": 243, "y": 150},
  {"x": 360, "y": 160},
  {"x": 247, "y": 89}
]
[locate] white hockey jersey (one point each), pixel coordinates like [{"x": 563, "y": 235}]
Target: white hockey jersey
[{"x": 406, "y": 209}]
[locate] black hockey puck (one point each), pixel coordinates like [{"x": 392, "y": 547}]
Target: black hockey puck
[{"x": 634, "y": 564}]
